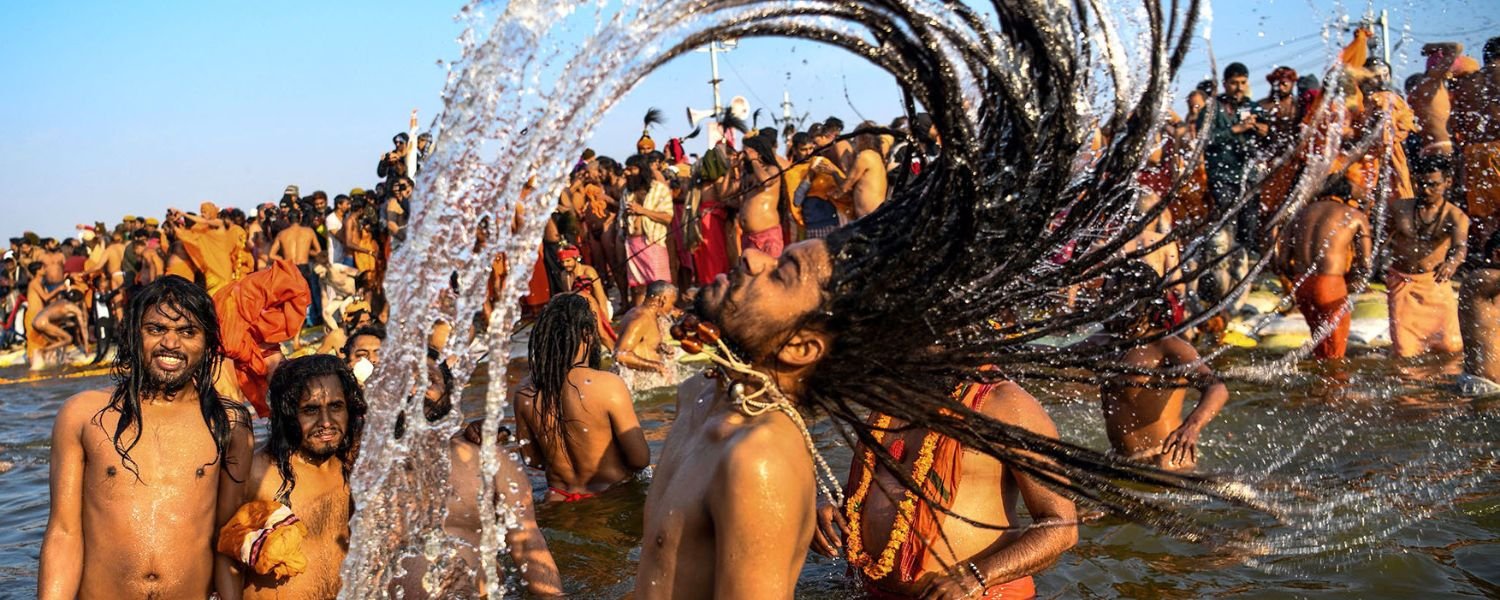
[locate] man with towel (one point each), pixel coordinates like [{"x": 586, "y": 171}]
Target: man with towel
[{"x": 1428, "y": 242}]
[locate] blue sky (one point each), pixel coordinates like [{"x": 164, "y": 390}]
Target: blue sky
[{"x": 117, "y": 108}]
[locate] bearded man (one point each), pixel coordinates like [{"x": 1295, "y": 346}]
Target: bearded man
[{"x": 162, "y": 443}]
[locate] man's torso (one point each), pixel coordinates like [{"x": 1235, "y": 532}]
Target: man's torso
[
  {"x": 321, "y": 502},
  {"x": 1420, "y": 237}
]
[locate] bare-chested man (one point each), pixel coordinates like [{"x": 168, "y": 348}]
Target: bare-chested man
[
  {"x": 53, "y": 263},
  {"x": 973, "y": 561},
  {"x": 515, "y": 512},
  {"x": 575, "y": 421},
  {"x": 1476, "y": 129},
  {"x": 1479, "y": 316},
  {"x": 760, "y": 198},
  {"x": 162, "y": 444},
  {"x": 1323, "y": 250},
  {"x": 731, "y": 508},
  {"x": 1429, "y": 238},
  {"x": 298, "y": 243},
  {"x": 642, "y": 347},
  {"x": 1142, "y": 416},
  {"x": 865, "y": 183},
  {"x": 317, "y": 416}
]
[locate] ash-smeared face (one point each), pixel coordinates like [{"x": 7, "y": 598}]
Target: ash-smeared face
[
  {"x": 172, "y": 346},
  {"x": 761, "y": 299}
]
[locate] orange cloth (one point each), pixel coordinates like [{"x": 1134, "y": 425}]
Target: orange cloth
[
  {"x": 181, "y": 268},
  {"x": 1400, "y": 125},
  {"x": 266, "y": 537},
  {"x": 1482, "y": 178},
  {"x": 1019, "y": 589},
  {"x": 538, "y": 291},
  {"x": 593, "y": 197},
  {"x": 265, "y": 308},
  {"x": 1358, "y": 50},
  {"x": 793, "y": 178},
  {"x": 1323, "y": 300},
  {"x": 213, "y": 253},
  {"x": 1423, "y": 314}
]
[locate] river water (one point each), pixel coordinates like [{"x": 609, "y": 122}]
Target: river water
[{"x": 1405, "y": 472}]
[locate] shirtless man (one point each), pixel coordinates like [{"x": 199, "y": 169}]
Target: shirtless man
[
  {"x": 523, "y": 537},
  {"x": 865, "y": 183},
  {"x": 1323, "y": 250},
  {"x": 298, "y": 243},
  {"x": 317, "y": 416},
  {"x": 1479, "y": 316},
  {"x": 179, "y": 456},
  {"x": 988, "y": 493},
  {"x": 760, "y": 197},
  {"x": 1476, "y": 130},
  {"x": 642, "y": 343},
  {"x": 1429, "y": 240},
  {"x": 63, "y": 311},
  {"x": 1280, "y": 112},
  {"x": 1142, "y": 416},
  {"x": 732, "y": 485},
  {"x": 53, "y": 261},
  {"x": 575, "y": 421}
]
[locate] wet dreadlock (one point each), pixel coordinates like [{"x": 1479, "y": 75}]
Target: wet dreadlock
[
  {"x": 288, "y": 385},
  {"x": 175, "y": 296},
  {"x": 917, "y": 285},
  {"x": 566, "y": 322}
]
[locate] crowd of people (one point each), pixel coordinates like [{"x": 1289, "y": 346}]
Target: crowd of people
[{"x": 742, "y": 239}]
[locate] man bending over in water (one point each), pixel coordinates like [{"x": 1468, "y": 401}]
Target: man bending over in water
[
  {"x": 317, "y": 416},
  {"x": 55, "y": 317},
  {"x": 162, "y": 443},
  {"x": 575, "y": 421},
  {"x": 1429, "y": 239},
  {"x": 642, "y": 348},
  {"x": 1144, "y": 418},
  {"x": 1323, "y": 250}
]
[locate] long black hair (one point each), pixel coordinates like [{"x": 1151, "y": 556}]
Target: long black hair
[
  {"x": 566, "y": 322},
  {"x": 288, "y": 386},
  {"x": 171, "y": 294}
]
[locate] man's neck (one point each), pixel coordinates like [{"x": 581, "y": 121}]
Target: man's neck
[
  {"x": 316, "y": 462},
  {"x": 165, "y": 397}
]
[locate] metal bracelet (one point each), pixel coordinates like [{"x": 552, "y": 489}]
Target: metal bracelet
[{"x": 979, "y": 576}]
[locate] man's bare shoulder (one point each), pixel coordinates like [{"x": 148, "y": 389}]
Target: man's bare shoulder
[
  {"x": 82, "y": 406},
  {"x": 605, "y": 382},
  {"x": 1011, "y": 404},
  {"x": 766, "y": 449}
]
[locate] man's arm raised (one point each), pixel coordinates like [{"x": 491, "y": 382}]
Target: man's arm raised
[
  {"x": 62, "y": 545},
  {"x": 234, "y": 479},
  {"x": 761, "y": 503}
]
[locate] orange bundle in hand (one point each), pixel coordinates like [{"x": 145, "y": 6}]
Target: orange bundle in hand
[{"x": 266, "y": 537}]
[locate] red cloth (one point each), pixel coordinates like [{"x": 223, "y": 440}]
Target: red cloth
[
  {"x": 264, "y": 308},
  {"x": 570, "y": 496},
  {"x": 1022, "y": 589},
  {"x": 712, "y": 255},
  {"x": 1323, "y": 299},
  {"x": 768, "y": 241},
  {"x": 538, "y": 291}
]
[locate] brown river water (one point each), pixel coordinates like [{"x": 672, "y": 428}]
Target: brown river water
[{"x": 1400, "y": 476}]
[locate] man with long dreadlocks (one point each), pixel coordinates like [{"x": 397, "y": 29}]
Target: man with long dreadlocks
[
  {"x": 317, "y": 417},
  {"x": 575, "y": 421},
  {"x": 892, "y": 313},
  {"x": 162, "y": 443}
]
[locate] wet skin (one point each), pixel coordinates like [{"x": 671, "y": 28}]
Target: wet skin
[
  {"x": 111, "y": 534},
  {"x": 605, "y": 443}
]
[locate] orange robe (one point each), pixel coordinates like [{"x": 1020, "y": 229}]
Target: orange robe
[
  {"x": 256, "y": 314},
  {"x": 1324, "y": 302},
  {"x": 213, "y": 253}
]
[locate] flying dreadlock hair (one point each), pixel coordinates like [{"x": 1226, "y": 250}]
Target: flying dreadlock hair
[
  {"x": 917, "y": 286},
  {"x": 566, "y": 322},
  {"x": 288, "y": 386},
  {"x": 174, "y": 297}
]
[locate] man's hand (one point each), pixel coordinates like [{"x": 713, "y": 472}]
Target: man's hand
[
  {"x": 1181, "y": 446},
  {"x": 828, "y": 536},
  {"x": 954, "y": 586},
  {"x": 1445, "y": 271}
]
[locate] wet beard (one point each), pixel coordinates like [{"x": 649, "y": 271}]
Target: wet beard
[
  {"x": 167, "y": 384},
  {"x": 317, "y": 452}
]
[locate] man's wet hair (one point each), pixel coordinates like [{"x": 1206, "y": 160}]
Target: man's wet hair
[
  {"x": 171, "y": 294},
  {"x": 567, "y": 321},
  {"x": 659, "y": 288},
  {"x": 375, "y": 330},
  {"x": 1236, "y": 70},
  {"x": 1432, "y": 163},
  {"x": 911, "y": 300},
  {"x": 289, "y": 385}
]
